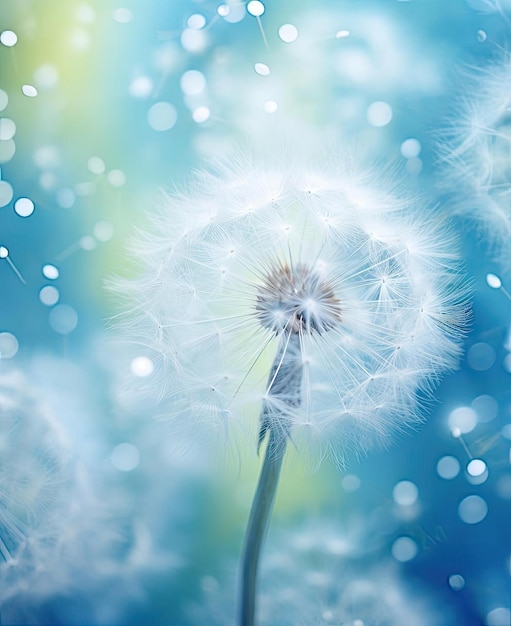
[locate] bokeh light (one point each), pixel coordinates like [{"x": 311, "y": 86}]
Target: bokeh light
[{"x": 448, "y": 467}]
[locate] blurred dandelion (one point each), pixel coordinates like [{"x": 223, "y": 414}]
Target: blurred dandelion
[
  {"x": 347, "y": 293},
  {"x": 62, "y": 536},
  {"x": 476, "y": 154},
  {"x": 41, "y": 490}
]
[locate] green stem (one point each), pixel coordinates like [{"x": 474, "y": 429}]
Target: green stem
[
  {"x": 258, "y": 522},
  {"x": 284, "y": 387}
]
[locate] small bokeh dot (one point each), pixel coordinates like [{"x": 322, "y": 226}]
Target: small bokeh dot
[
  {"x": 125, "y": 457},
  {"x": 456, "y": 582}
]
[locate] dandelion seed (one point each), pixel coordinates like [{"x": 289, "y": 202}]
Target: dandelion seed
[
  {"x": 4, "y": 254},
  {"x": 256, "y": 8}
]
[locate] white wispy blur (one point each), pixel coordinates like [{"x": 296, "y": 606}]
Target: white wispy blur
[{"x": 320, "y": 574}]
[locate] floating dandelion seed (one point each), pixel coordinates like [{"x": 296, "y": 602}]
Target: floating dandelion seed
[
  {"x": 303, "y": 295},
  {"x": 495, "y": 282},
  {"x": 4, "y": 254}
]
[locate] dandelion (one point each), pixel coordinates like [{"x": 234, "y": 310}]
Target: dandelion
[
  {"x": 356, "y": 290},
  {"x": 476, "y": 154},
  {"x": 36, "y": 474},
  {"x": 62, "y": 537},
  {"x": 323, "y": 302}
]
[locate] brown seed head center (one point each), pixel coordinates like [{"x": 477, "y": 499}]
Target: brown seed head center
[{"x": 297, "y": 299}]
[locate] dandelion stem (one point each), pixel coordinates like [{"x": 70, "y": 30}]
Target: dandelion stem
[
  {"x": 258, "y": 522},
  {"x": 283, "y": 394}
]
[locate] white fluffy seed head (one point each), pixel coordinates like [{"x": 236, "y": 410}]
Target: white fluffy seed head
[{"x": 366, "y": 278}]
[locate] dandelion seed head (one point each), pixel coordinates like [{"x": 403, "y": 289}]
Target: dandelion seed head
[{"x": 253, "y": 255}]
